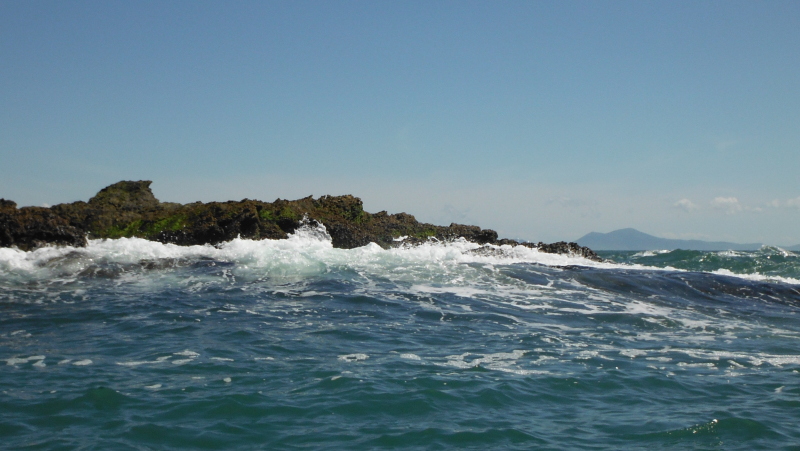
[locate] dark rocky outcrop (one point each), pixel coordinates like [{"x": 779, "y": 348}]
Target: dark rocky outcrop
[
  {"x": 33, "y": 227},
  {"x": 562, "y": 247},
  {"x": 129, "y": 209}
]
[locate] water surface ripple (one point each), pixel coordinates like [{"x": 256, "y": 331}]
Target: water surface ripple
[{"x": 296, "y": 345}]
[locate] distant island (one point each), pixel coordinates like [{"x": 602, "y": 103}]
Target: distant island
[
  {"x": 129, "y": 209},
  {"x": 634, "y": 240}
]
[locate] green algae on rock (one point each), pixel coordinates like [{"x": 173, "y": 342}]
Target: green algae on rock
[{"x": 129, "y": 209}]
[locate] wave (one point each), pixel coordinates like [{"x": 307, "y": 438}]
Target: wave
[
  {"x": 651, "y": 253},
  {"x": 305, "y": 247},
  {"x": 756, "y": 277},
  {"x": 767, "y": 264},
  {"x": 309, "y": 251}
]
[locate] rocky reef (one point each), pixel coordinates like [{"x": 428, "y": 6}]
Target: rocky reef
[{"x": 129, "y": 209}]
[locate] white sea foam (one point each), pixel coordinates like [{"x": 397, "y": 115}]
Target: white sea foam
[
  {"x": 306, "y": 253},
  {"x": 135, "y": 363},
  {"x": 353, "y": 357},
  {"x": 659, "y": 359},
  {"x": 708, "y": 365},
  {"x": 13, "y": 361},
  {"x": 309, "y": 249},
  {"x": 757, "y": 277},
  {"x": 586, "y": 355},
  {"x": 496, "y": 361},
  {"x": 146, "y": 362},
  {"x": 632, "y": 353},
  {"x": 729, "y": 253},
  {"x": 651, "y": 253}
]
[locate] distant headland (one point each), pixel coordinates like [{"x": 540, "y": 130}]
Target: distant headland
[
  {"x": 634, "y": 240},
  {"x": 129, "y": 209}
]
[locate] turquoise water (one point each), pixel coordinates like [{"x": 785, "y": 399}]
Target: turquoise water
[
  {"x": 292, "y": 344},
  {"x": 765, "y": 263}
]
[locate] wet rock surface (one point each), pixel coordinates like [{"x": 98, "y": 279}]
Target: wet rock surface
[{"x": 129, "y": 209}]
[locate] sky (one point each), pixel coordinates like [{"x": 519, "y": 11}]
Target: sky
[{"x": 543, "y": 120}]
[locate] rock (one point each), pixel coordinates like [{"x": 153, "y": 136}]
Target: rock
[
  {"x": 129, "y": 209},
  {"x": 32, "y": 227},
  {"x": 565, "y": 248},
  {"x": 113, "y": 209},
  {"x": 7, "y": 205},
  {"x": 126, "y": 196}
]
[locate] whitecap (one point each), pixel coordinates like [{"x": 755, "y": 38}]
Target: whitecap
[
  {"x": 651, "y": 253},
  {"x": 757, "y": 277},
  {"x": 146, "y": 362},
  {"x": 659, "y": 359},
  {"x": 495, "y": 361},
  {"x": 353, "y": 357},
  {"x": 410, "y": 357},
  {"x": 309, "y": 252},
  {"x": 18, "y": 360},
  {"x": 633, "y": 353}
]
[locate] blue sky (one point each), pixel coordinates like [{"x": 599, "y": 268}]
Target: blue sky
[{"x": 542, "y": 120}]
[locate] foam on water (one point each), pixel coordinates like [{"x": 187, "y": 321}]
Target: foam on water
[
  {"x": 757, "y": 277},
  {"x": 374, "y": 338},
  {"x": 651, "y": 253},
  {"x": 353, "y": 357},
  {"x": 309, "y": 252}
]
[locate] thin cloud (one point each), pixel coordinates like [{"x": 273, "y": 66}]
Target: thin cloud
[
  {"x": 686, "y": 204},
  {"x": 731, "y": 205},
  {"x": 790, "y": 203}
]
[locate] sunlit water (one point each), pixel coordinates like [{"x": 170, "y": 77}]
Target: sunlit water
[{"x": 130, "y": 344}]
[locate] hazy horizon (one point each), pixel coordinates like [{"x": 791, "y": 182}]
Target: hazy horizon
[{"x": 591, "y": 238}]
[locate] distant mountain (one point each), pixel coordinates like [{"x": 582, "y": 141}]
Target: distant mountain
[
  {"x": 634, "y": 240},
  {"x": 796, "y": 247}
]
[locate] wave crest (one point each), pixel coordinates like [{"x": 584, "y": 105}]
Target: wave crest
[{"x": 306, "y": 252}]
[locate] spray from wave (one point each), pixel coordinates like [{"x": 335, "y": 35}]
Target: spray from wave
[{"x": 309, "y": 251}]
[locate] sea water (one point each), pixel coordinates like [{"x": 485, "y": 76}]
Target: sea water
[{"x": 292, "y": 344}]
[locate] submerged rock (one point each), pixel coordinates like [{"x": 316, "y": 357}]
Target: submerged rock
[{"x": 129, "y": 209}]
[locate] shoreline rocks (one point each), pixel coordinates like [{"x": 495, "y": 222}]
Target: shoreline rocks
[{"x": 129, "y": 209}]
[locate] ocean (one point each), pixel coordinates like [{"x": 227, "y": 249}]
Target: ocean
[{"x": 130, "y": 344}]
